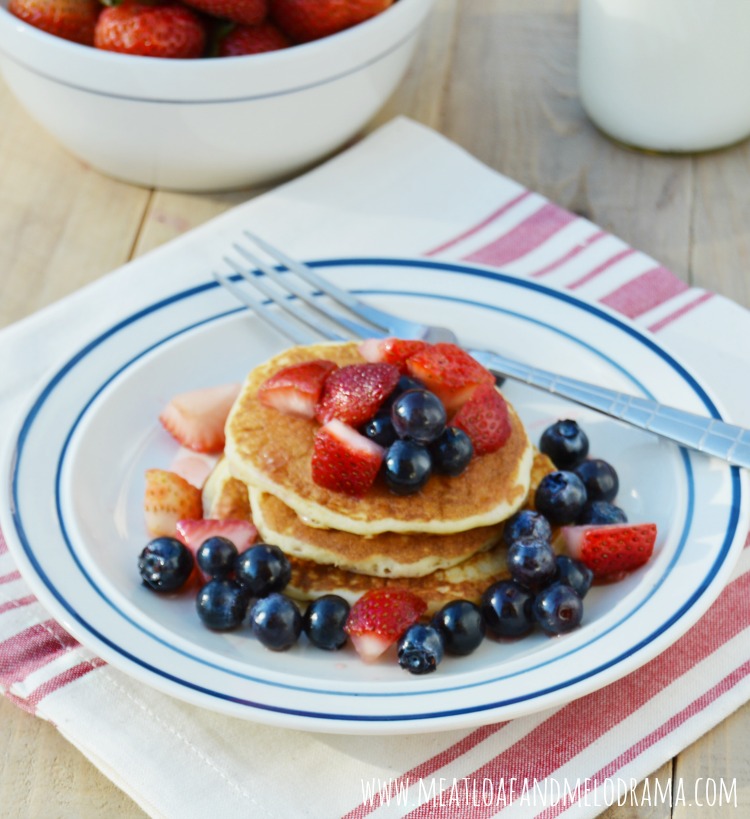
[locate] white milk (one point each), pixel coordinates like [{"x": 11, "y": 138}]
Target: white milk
[{"x": 667, "y": 75}]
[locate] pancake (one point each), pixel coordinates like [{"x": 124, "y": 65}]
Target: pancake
[
  {"x": 466, "y": 581},
  {"x": 271, "y": 452}
]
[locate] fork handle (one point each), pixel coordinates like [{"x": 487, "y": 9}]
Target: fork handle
[{"x": 708, "y": 435}]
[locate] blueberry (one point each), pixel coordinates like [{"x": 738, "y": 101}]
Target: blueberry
[
  {"x": 263, "y": 569},
  {"x": 324, "y": 621},
  {"x": 418, "y": 415},
  {"x": 560, "y": 497},
  {"x": 165, "y": 564},
  {"x": 380, "y": 429},
  {"x": 276, "y": 621},
  {"x": 531, "y": 562},
  {"x": 506, "y": 609},
  {"x": 565, "y": 443},
  {"x": 599, "y": 478},
  {"x": 420, "y": 649},
  {"x": 526, "y": 523},
  {"x": 216, "y": 556},
  {"x": 574, "y": 573},
  {"x": 451, "y": 452},
  {"x": 558, "y": 608},
  {"x": 222, "y": 604},
  {"x": 461, "y": 626},
  {"x": 601, "y": 512},
  {"x": 404, "y": 383},
  {"x": 407, "y": 467}
]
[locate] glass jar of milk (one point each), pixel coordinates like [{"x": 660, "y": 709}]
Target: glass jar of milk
[{"x": 667, "y": 75}]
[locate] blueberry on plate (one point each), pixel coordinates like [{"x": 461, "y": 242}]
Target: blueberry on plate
[
  {"x": 565, "y": 443},
  {"x": 407, "y": 467},
  {"x": 216, "y": 556},
  {"x": 419, "y": 415},
  {"x": 324, "y": 620},
  {"x": 451, "y": 452},
  {"x": 276, "y": 621},
  {"x": 262, "y": 569},
  {"x": 560, "y": 497},
  {"x": 506, "y": 609},
  {"x": 461, "y": 625},
  {"x": 574, "y": 573},
  {"x": 526, "y": 523},
  {"x": 558, "y": 608},
  {"x": 222, "y": 604},
  {"x": 420, "y": 649},
  {"x": 600, "y": 512},
  {"x": 531, "y": 562},
  {"x": 599, "y": 478},
  {"x": 165, "y": 564}
]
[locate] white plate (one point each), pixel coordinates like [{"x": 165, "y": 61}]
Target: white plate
[{"x": 76, "y": 525}]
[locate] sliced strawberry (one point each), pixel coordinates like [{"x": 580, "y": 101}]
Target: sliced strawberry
[
  {"x": 390, "y": 350},
  {"x": 296, "y": 390},
  {"x": 169, "y": 498},
  {"x": 611, "y": 550},
  {"x": 379, "y": 618},
  {"x": 448, "y": 371},
  {"x": 485, "y": 419},
  {"x": 196, "y": 419},
  {"x": 193, "y": 532},
  {"x": 354, "y": 393},
  {"x": 343, "y": 460}
]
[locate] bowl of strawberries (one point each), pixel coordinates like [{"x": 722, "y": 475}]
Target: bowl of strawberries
[{"x": 205, "y": 95}]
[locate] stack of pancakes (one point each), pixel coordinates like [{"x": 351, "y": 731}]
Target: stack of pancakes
[{"x": 442, "y": 543}]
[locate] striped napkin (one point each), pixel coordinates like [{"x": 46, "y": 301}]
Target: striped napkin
[{"x": 403, "y": 191}]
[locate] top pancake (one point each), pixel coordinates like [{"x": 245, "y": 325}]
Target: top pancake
[{"x": 271, "y": 451}]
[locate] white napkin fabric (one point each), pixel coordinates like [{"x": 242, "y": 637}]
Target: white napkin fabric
[{"x": 403, "y": 191}]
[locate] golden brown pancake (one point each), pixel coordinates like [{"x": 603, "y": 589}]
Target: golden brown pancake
[{"x": 272, "y": 452}]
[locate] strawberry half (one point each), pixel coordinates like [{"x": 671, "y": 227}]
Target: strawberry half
[
  {"x": 390, "y": 350},
  {"x": 354, "y": 393},
  {"x": 296, "y": 390},
  {"x": 168, "y": 498},
  {"x": 379, "y": 618},
  {"x": 448, "y": 371},
  {"x": 611, "y": 550},
  {"x": 343, "y": 460},
  {"x": 196, "y": 419},
  {"x": 485, "y": 419}
]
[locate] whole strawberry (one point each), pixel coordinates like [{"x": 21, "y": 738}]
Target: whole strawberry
[
  {"x": 247, "y": 12},
  {"x": 170, "y": 30},
  {"x": 70, "y": 19},
  {"x": 305, "y": 20},
  {"x": 258, "y": 39}
]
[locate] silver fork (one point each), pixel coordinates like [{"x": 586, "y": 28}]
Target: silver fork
[{"x": 304, "y": 318}]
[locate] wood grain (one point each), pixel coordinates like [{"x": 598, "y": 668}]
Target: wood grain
[{"x": 499, "y": 79}]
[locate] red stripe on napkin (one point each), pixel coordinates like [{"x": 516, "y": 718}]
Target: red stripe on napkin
[
  {"x": 12, "y": 605},
  {"x": 10, "y": 577},
  {"x": 686, "y": 308},
  {"x": 592, "y": 274},
  {"x": 496, "y": 214},
  {"x": 645, "y": 292},
  {"x": 524, "y": 237},
  {"x": 32, "y": 648},
  {"x": 570, "y": 254},
  {"x": 61, "y": 680}
]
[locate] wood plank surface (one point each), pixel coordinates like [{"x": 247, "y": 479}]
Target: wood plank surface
[{"x": 499, "y": 79}]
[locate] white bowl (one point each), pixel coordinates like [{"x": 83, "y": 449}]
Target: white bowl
[{"x": 209, "y": 124}]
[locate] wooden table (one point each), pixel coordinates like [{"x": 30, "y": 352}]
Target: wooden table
[{"x": 499, "y": 78}]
